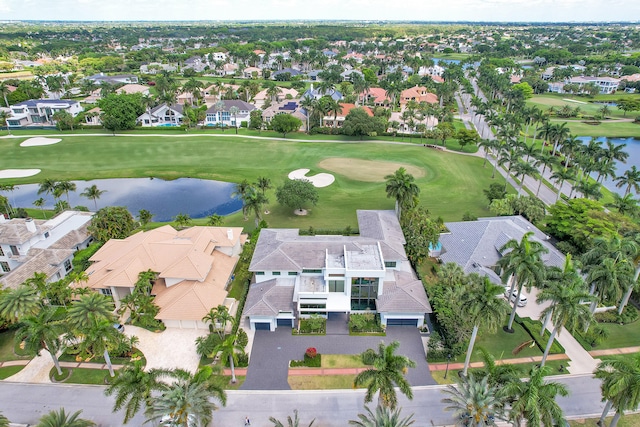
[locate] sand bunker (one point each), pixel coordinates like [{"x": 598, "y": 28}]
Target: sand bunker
[
  {"x": 318, "y": 180},
  {"x": 38, "y": 140},
  {"x": 367, "y": 170},
  {"x": 18, "y": 173}
]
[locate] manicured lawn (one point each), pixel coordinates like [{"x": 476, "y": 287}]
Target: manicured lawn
[
  {"x": 85, "y": 376},
  {"x": 620, "y": 335},
  {"x": 324, "y": 382},
  {"x": 342, "y": 361},
  {"x": 225, "y": 381},
  {"x": 8, "y": 371},
  {"x": 451, "y": 184},
  {"x": 523, "y": 369},
  {"x": 7, "y": 346},
  {"x": 630, "y": 420},
  {"x": 611, "y": 129}
]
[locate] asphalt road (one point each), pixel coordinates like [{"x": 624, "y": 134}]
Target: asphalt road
[{"x": 24, "y": 403}]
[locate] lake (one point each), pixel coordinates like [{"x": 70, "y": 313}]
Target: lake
[
  {"x": 164, "y": 199},
  {"x": 633, "y": 148}
]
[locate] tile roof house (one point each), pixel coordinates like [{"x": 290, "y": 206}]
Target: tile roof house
[
  {"x": 418, "y": 94},
  {"x": 338, "y": 120},
  {"x": 376, "y": 96},
  {"x": 296, "y": 276},
  {"x": 261, "y": 97},
  {"x": 475, "y": 245},
  {"x": 194, "y": 268},
  {"x": 29, "y": 246},
  {"x": 121, "y": 78},
  {"x": 134, "y": 88}
]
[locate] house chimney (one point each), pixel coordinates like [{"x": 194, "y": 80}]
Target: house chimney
[
  {"x": 230, "y": 234},
  {"x": 31, "y": 226}
]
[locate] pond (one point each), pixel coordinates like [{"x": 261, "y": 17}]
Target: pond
[
  {"x": 632, "y": 147},
  {"x": 164, "y": 199}
]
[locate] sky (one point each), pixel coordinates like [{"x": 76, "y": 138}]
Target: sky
[{"x": 414, "y": 10}]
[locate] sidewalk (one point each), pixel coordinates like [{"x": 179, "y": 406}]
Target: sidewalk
[{"x": 614, "y": 351}]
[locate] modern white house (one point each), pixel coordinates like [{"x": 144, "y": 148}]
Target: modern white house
[
  {"x": 113, "y": 79},
  {"x": 607, "y": 85},
  {"x": 221, "y": 113},
  {"x": 39, "y": 112},
  {"x": 162, "y": 115},
  {"x": 296, "y": 276},
  {"x": 29, "y": 246}
]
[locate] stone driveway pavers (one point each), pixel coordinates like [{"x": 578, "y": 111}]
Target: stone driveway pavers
[{"x": 272, "y": 351}]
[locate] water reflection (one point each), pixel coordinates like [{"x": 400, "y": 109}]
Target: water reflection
[{"x": 164, "y": 199}]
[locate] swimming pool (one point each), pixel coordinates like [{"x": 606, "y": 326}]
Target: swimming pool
[{"x": 167, "y": 125}]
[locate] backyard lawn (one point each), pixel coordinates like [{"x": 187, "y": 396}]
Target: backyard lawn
[
  {"x": 451, "y": 184},
  {"x": 620, "y": 336}
]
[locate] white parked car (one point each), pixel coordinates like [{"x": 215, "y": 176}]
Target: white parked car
[{"x": 523, "y": 298}]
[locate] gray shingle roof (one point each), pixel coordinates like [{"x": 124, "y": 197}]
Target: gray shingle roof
[
  {"x": 475, "y": 245},
  {"x": 286, "y": 250},
  {"x": 228, "y": 103},
  {"x": 405, "y": 295},
  {"x": 270, "y": 297}
]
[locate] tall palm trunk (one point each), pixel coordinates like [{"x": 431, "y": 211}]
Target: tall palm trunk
[
  {"x": 545, "y": 322},
  {"x": 472, "y": 342},
  {"x": 109, "y": 365},
  {"x": 515, "y": 307},
  {"x": 627, "y": 294},
  {"x": 616, "y": 418},
  {"x": 548, "y": 347},
  {"x": 233, "y": 370},
  {"x": 541, "y": 179},
  {"x": 605, "y": 412},
  {"x": 56, "y": 362}
]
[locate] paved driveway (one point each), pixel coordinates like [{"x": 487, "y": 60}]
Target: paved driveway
[
  {"x": 272, "y": 351},
  {"x": 169, "y": 349}
]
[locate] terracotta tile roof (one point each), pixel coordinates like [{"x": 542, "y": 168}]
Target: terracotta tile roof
[
  {"x": 346, "y": 108},
  {"x": 197, "y": 262},
  {"x": 418, "y": 94},
  {"x": 378, "y": 94}
]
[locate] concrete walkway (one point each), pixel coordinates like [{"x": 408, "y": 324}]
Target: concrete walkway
[
  {"x": 36, "y": 371},
  {"x": 614, "y": 351}
]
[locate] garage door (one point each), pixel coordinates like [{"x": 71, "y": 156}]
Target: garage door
[
  {"x": 262, "y": 326},
  {"x": 284, "y": 322},
  {"x": 402, "y": 322}
]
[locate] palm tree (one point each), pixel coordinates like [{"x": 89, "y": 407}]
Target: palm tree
[
  {"x": 522, "y": 265},
  {"x": 475, "y": 402},
  {"x": 89, "y": 310},
  {"x": 182, "y": 220},
  {"x": 499, "y": 375},
  {"x": 523, "y": 169},
  {"x": 620, "y": 386},
  {"x": 534, "y": 401},
  {"x": 626, "y": 205},
  {"x": 566, "y": 291},
  {"x": 630, "y": 178},
  {"x": 39, "y": 203},
  {"x": 65, "y": 187},
  {"x": 589, "y": 189},
  {"x": 481, "y": 308},
  {"x": 42, "y": 331},
  {"x": 546, "y": 160},
  {"x": 219, "y": 316},
  {"x": 93, "y": 193},
  {"x": 215, "y": 220},
  {"x": 4, "y": 422},
  {"x": 291, "y": 422},
  {"x": 133, "y": 387},
  {"x": 60, "y": 418},
  {"x": 388, "y": 371},
  {"x": 560, "y": 176},
  {"x": 309, "y": 104},
  {"x": 610, "y": 278},
  {"x": 254, "y": 202},
  {"x": 4, "y": 91},
  {"x": 100, "y": 338},
  {"x": 383, "y": 417},
  {"x": 47, "y": 186},
  {"x": 186, "y": 401},
  {"x": 233, "y": 111},
  {"x": 263, "y": 183},
  {"x": 18, "y": 303},
  {"x": 402, "y": 188},
  {"x": 229, "y": 348}
]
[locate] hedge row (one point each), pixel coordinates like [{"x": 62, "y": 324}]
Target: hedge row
[{"x": 533, "y": 328}]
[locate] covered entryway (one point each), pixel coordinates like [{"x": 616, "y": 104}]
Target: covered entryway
[{"x": 402, "y": 322}]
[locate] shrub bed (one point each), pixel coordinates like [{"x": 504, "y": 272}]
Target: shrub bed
[
  {"x": 363, "y": 323},
  {"x": 308, "y": 362},
  {"x": 629, "y": 315}
]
